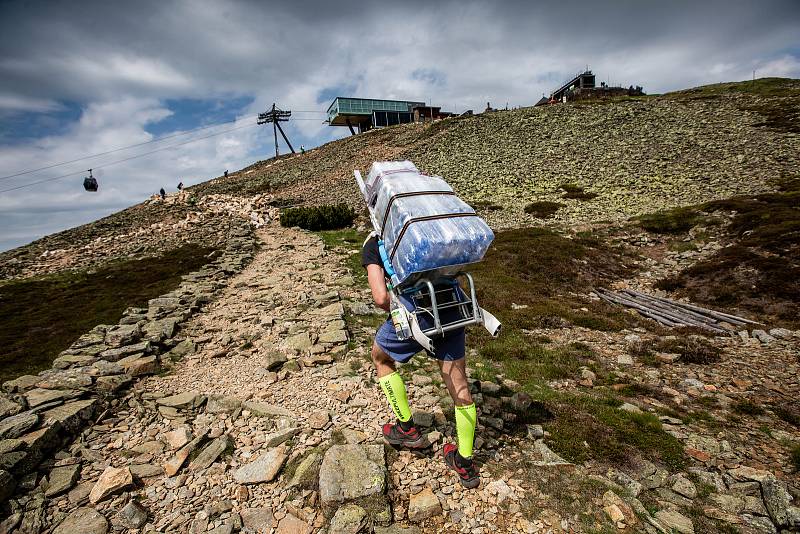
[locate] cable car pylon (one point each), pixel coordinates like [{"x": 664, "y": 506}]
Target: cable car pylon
[{"x": 276, "y": 116}]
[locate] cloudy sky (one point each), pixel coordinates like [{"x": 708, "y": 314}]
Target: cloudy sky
[{"x": 81, "y": 78}]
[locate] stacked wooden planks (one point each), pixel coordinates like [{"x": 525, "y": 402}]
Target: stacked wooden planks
[{"x": 674, "y": 313}]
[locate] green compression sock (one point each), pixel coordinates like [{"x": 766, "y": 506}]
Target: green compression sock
[
  {"x": 466, "y": 417},
  {"x": 395, "y": 391}
]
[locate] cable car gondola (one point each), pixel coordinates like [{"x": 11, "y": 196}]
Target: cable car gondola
[{"x": 90, "y": 182}]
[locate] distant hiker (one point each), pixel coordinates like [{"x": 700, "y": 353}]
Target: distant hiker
[
  {"x": 302, "y": 149},
  {"x": 449, "y": 353},
  {"x": 180, "y": 186},
  {"x": 226, "y": 173},
  {"x": 162, "y": 193}
]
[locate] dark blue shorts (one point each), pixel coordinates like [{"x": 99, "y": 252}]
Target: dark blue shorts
[{"x": 449, "y": 347}]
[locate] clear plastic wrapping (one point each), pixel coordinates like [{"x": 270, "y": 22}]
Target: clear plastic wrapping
[
  {"x": 382, "y": 169},
  {"x": 396, "y": 190},
  {"x": 427, "y": 228}
]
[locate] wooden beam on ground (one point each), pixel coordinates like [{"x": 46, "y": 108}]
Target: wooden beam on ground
[{"x": 733, "y": 319}]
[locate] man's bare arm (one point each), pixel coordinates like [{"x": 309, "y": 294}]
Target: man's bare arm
[{"x": 378, "y": 286}]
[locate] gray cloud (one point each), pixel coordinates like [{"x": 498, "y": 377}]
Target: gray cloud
[{"x": 122, "y": 61}]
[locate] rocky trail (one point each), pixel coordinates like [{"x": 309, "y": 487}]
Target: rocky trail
[
  {"x": 269, "y": 424},
  {"x": 268, "y": 420}
]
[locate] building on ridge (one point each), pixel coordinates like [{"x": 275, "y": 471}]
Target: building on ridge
[
  {"x": 582, "y": 86},
  {"x": 366, "y": 113}
]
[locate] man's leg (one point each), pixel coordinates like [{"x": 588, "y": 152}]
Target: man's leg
[
  {"x": 384, "y": 364},
  {"x": 454, "y": 374},
  {"x": 403, "y": 432}
]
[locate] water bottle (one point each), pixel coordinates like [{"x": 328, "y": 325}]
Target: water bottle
[{"x": 399, "y": 316}]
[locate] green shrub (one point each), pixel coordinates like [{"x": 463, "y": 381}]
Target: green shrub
[
  {"x": 543, "y": 209},
  {"x": 747, "y": 407},
  {"x": 673, "y": 221},
  {"x": 576, "y": 192},
  {"x": 693, "y": 349},
  {"x": 485, "y": 205},
  {"x": 318, "y": 217},
  {"x": 789, "y": 414},
  {"x": 796, "y": 457}
]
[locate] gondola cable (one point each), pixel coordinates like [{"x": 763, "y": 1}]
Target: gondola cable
[
  {"x": 126, "y": 159},
  {"x": 119, "y": 149}
]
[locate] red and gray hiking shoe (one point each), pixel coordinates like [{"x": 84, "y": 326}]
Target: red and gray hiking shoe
[
  {"x": 468, "y": 473},
  {"x": 395, "y": 435}
]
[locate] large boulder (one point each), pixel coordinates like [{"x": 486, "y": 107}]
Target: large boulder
[
  {"x": 331, "y": 310},
  {"x": 111, "y": 384},
  {"x": 222, "y": 404},
  {"x": 776, "y": 499},
  {"x": 183, "y": 401},
  {"x": 16, "y": 425},
  {"x": 71, "y": 415},
  {"x": 140, "y": 365},
  {"x": 133, "y": 515},
  {"x": 157, "y": 331},
  {"x": 423, "y": 505},
  {"x": 116, "y": 354},
  {"x": 182, "y": 349},
  {"x": 123, "y": 335},
  {"x": 65, "y": 379},
  {"x": 62, "y": 479},
  {"x": 111, "y": 481},
  {"x": 349, "y": 519},
  {"x": 257, "y": 519},
  {"x": 675, "y": 522},
  {"x": 66, "y": 361},
  {"x": 264, "y": 409},
  {"x": 300, "y": 342},
  {"x": 83, "y": 521},
  {"x": 37, "y": 445},
  {"x": 306, "y": 472},
  {"x": 21, "y": 383},
  {"x": 263, "y": 469},
  {"x": 39, "y": 396},
  {"x": 210, "y": 453},
  {"x": 94, "y": 337},
  {"x": 7, "y": 485},
  {"x": 8, "y": 407},
  {"x": 351, "y": 472},
  {"x": 102, "y": 368}
]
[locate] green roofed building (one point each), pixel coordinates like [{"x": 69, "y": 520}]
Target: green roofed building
[{"x": 366, "y": 113}]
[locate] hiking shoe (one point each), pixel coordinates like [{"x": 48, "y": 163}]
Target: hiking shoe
[
  {"x": 395, "y": 435},
  {"x": 467, "y": 474}
]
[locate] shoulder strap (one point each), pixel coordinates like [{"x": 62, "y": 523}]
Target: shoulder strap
[{"x": 369, "y": 236}]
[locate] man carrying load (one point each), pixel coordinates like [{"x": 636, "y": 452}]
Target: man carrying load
[
  {"x": 424, "y": 238},
  {"x": 449, "y": 354}
]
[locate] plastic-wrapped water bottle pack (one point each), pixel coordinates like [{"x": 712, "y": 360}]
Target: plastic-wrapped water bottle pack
[{"x": 425, "y": 227}]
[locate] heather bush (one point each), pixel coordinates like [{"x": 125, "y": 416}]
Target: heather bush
[{"x": 317, "y": 218}]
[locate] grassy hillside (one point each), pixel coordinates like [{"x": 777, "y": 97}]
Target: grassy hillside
[
  {"x": 575, "y": 164},
  {"x": 636, "y": 155}
]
